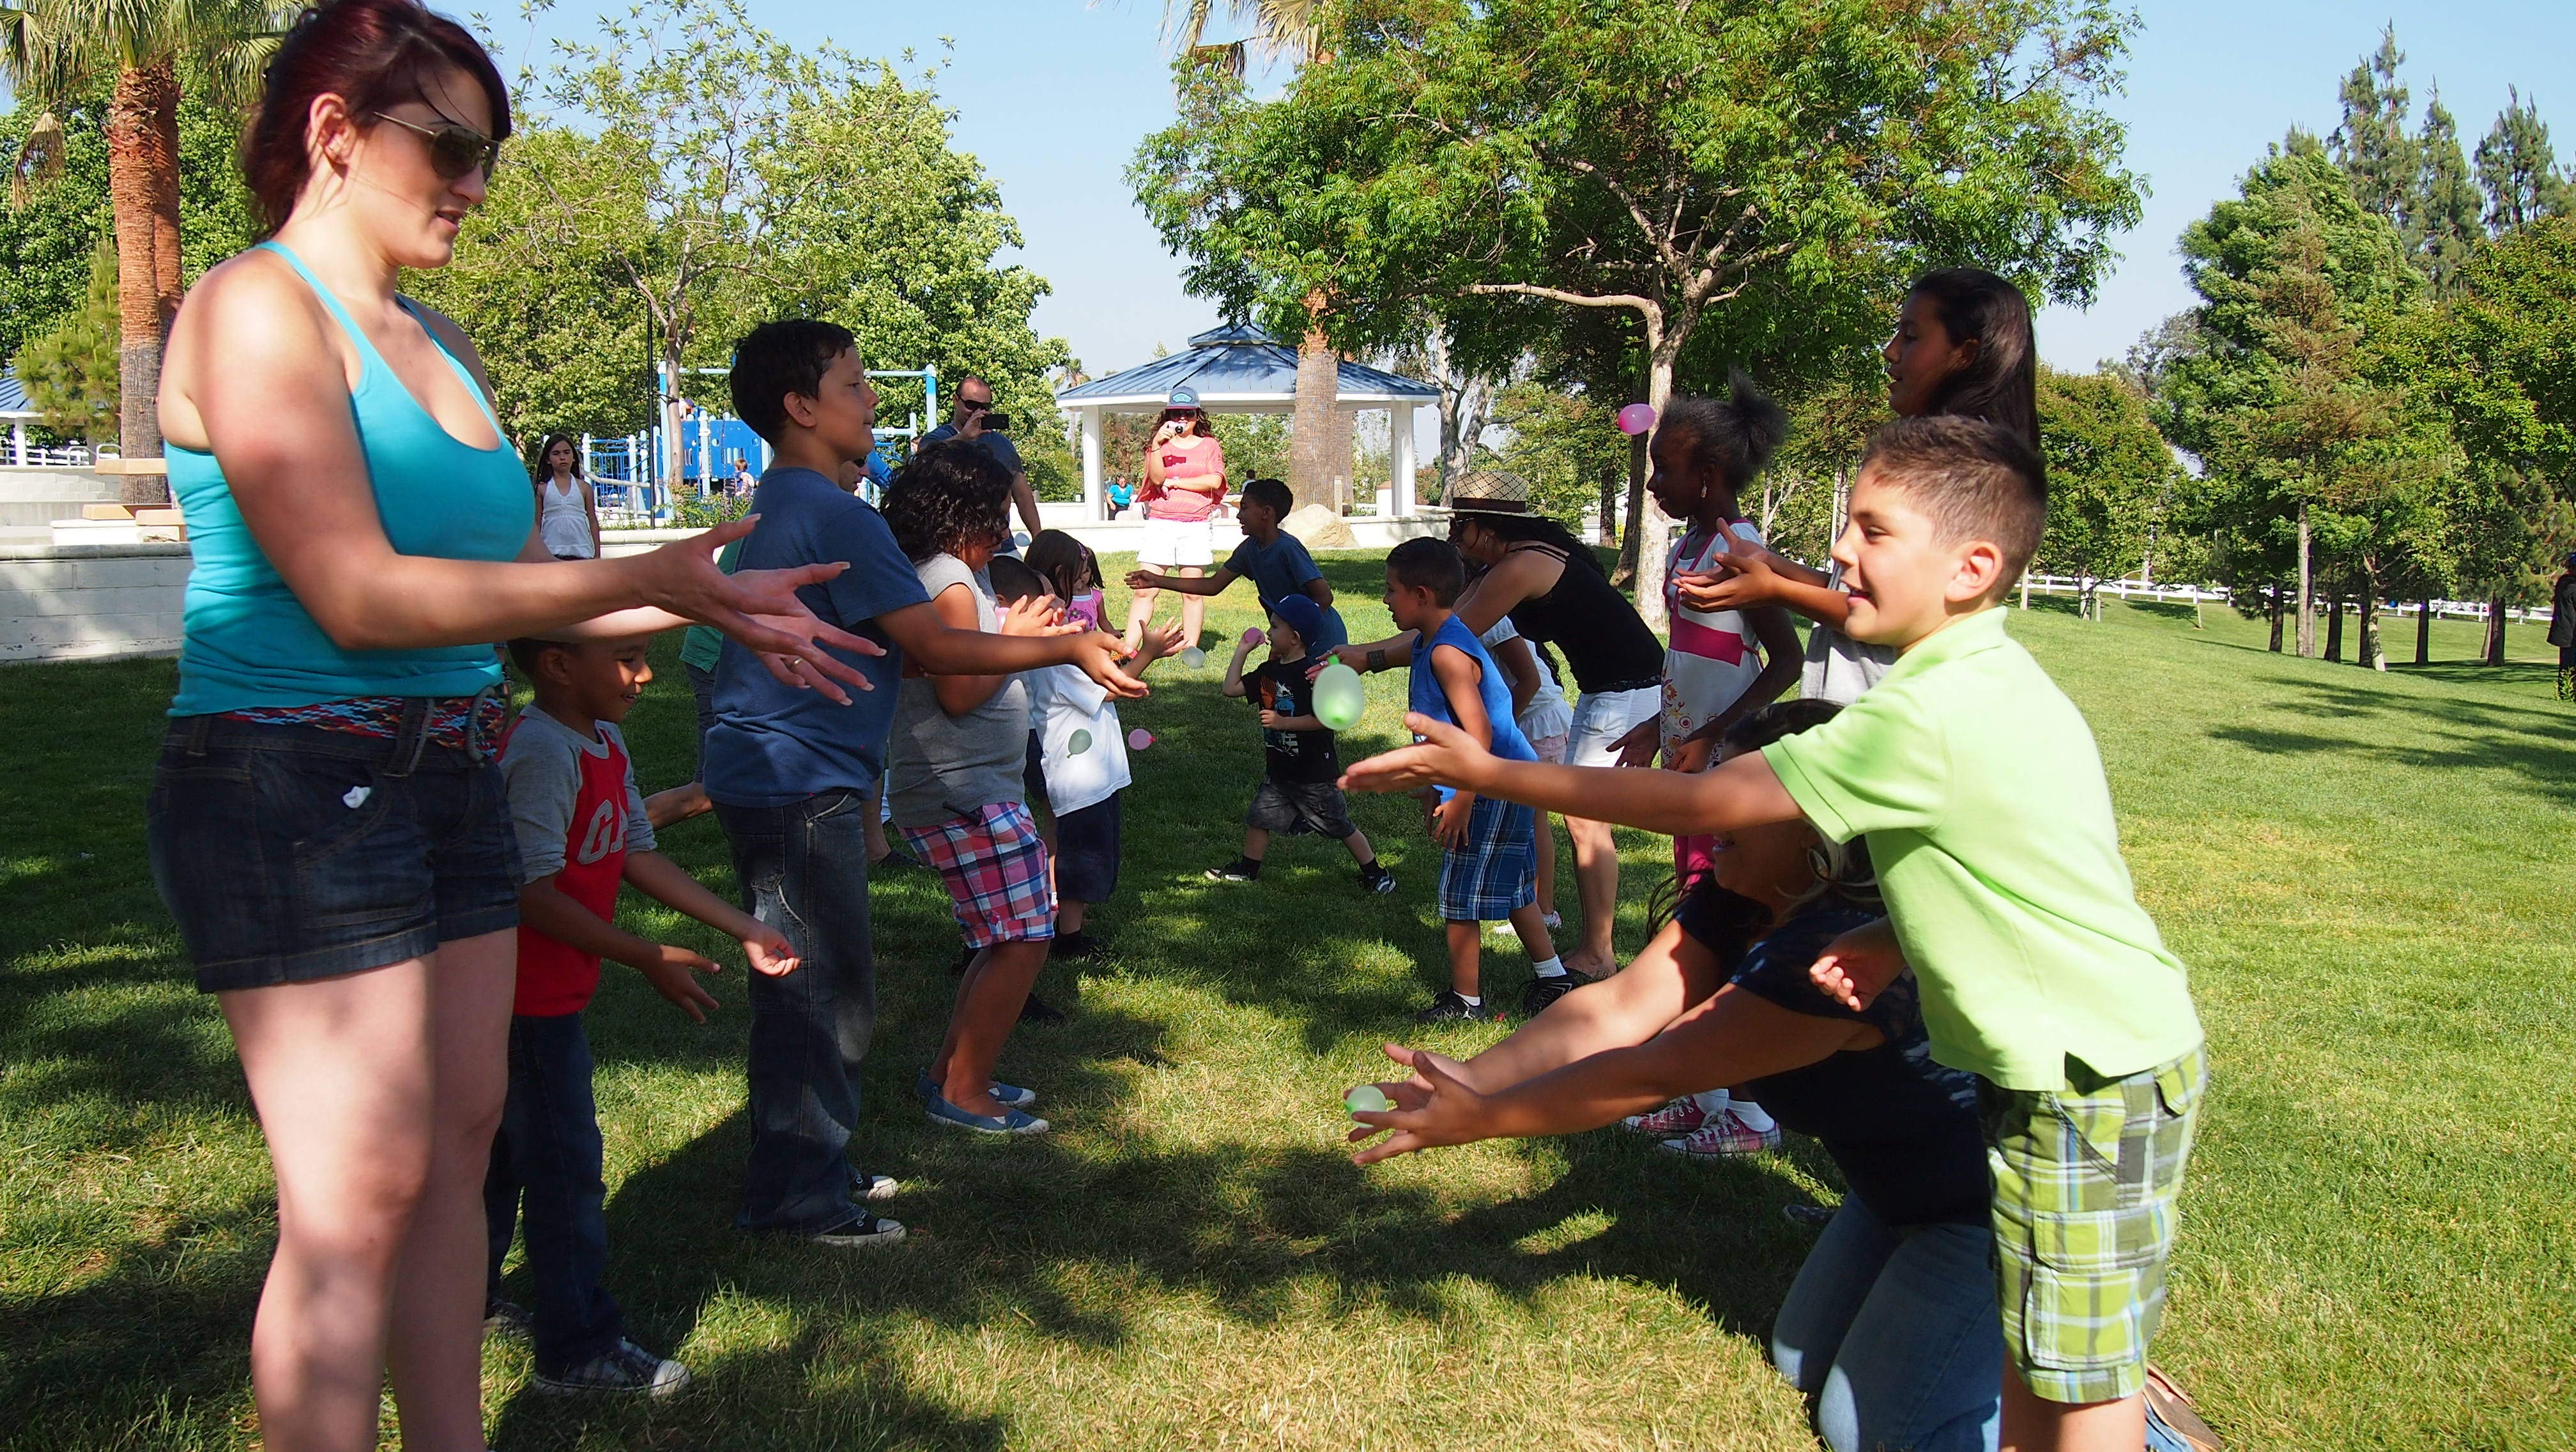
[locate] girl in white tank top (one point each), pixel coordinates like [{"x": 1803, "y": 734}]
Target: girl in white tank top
[{"x": 565, "y": 522}]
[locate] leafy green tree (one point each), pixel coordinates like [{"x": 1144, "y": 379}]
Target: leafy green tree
[
  {"x": 699, "y": 176},
  {"x": 1752, "y": 178},
  {"x": 2108, "y": 472},
  {"x": 60, "y": 53},
  {"x": 70, "y": 371},
  {"x": 2279, "y": 392},
  {"x": 2501, "y": 361},
  {"x": 1561, "y": 443}
]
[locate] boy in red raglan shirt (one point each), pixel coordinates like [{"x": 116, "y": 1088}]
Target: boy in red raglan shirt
[{"x": 582, "y": 830}]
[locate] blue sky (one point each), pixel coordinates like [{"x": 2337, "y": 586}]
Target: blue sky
[{"x": 1053, "y": 96}]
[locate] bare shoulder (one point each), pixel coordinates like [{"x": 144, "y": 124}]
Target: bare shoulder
[{"x": 249, "y": 326}]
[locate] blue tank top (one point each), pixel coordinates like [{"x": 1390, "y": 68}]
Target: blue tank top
[
  {"x": 249, "y": 641},
  {"x": 1426, "y": 696}
]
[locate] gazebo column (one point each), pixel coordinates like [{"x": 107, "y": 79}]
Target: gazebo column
[
  {"x": 1092, "y": 499},
  {"x": 1400, "y": 443}
]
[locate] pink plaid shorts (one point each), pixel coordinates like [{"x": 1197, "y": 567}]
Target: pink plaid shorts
[{"x": 996, "y": 871}]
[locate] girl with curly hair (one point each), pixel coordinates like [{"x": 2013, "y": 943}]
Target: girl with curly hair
[{"x": 956, "y": 779}]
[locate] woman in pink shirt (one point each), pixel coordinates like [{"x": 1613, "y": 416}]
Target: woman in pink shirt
[{"x": 1184, "y": 483}]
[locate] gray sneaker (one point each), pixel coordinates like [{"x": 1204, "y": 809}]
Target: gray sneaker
[
  {"x": 860, "y": 1230},
  {"x": 508, "y": 1318},
  {"x": 625, "y": 1369}
]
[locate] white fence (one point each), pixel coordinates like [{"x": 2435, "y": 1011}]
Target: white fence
[{"x": 2158, "y": 590}]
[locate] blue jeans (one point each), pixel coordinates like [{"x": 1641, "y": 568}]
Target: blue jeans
[
  {"x": 804, "y": 871},
  {"x": 546, "y": 1163},
  {"x": 1892, "y": 1334}
]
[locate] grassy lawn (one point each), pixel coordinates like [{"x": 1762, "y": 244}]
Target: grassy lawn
[{"x": 2368, "y": 872}]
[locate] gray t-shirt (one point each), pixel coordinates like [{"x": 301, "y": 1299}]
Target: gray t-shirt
[
  {"x": 944, "y": 766},
  {"x": 541, "y": 769},
  {"x": 1839, "y": 668}
]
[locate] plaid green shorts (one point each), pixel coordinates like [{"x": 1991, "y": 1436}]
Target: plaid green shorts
[{"x": 2085, "y": 1184}]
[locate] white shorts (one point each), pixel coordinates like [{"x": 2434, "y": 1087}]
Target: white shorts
[
  {"x": 1177, "y": 544},
  {"x": 1550, "y": 749},
  {"x": 1601, "y": 719}
]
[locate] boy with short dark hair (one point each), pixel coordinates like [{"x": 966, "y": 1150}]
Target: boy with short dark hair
[
  {"x": 790, "y": 773},
  {"x": 1489, "y": 846},
  {"x": 1978, "y": 787},
  {"x": 1300, "y": 764},
  {"x": 582, "y": 830},
  {"x": 1275, "y": 561}
]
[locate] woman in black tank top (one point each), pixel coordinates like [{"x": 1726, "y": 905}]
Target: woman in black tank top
[{"x": 1605, "y": 641}]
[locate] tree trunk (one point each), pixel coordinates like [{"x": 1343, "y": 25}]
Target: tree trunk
[
  {"x": 2307, "y": 592},
  {"x": 1344, "y": 463},
  {"x": 675, "y": 464},
  {"x": 1655, "y": 546},
  {"x": 2495, "y": 630},
  {"x": 2372, "y": 656},
  {"x": 2275, "y": 612},
  {"x": 143, "y": 191},
  {"x": 2334, "y": 626},
  {"x": 1310, "y": 426},
  {"x": 2424, "y": 633},
  {"x": 1609, "y": 528},
  {"x": 1632, "y": 534}
]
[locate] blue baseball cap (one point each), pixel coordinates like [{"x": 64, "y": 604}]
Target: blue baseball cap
[
  {"x": 1299, "y": 614},
  {"x": 1183, "y": 398}
]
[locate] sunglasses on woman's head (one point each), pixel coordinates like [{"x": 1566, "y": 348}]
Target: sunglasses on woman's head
[{"x": 455, "y": 148}]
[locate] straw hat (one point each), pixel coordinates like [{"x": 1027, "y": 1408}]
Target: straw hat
[{"x": 1490, "y": 491}]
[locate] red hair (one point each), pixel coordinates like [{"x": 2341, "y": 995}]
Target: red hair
[{"x": 371, "y": 54}]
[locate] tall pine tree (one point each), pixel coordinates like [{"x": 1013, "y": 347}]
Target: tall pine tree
[
  {"x": 2371, "y": 145},
  {"x": 2518, "y": 170},
  {"x": 2449, "y": 212}
]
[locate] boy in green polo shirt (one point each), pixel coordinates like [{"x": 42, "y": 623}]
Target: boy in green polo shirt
[{"x": 1978, "y": 786}]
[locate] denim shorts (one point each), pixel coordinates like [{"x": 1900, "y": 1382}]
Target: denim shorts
[{"x": 290, "y": 853}]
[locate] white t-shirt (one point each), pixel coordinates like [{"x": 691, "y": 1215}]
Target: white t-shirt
[
  {"x": 1547, "y": 714},
  {"x": 1713, "y": 656},
  {"x": 1062, "y": 702}
]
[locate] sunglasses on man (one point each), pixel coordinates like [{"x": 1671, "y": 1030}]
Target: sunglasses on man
[{"x": 455, "y": 148}]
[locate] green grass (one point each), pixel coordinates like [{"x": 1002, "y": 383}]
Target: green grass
[{"x": 2368, "y": 872}]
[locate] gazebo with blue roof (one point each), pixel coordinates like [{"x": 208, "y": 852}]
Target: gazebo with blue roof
[{"x": 1241, "y": 369}]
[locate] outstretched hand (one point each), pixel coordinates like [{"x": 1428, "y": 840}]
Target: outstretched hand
[
  {"x": 1100, "y": 655},
  {"x": 1740, "y": 579},
  {"x": 673, "y": 973},
  {"x": 1144, "y": 579},
  {"x": 758, "y": 608},
  {"x": 1445, "y": 756},
  {"x": 1433, "y": 1108},
  {"x": 1856, "y": 967}
]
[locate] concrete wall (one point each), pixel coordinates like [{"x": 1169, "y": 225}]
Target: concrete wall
[
  {"x": 101, "y": 602},
  {"x": 90, "y": 602}
]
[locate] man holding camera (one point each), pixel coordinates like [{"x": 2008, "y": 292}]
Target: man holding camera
[{"x": 971, "y": 417}]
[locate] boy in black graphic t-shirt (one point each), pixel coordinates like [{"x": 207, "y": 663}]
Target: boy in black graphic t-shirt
[{"x": 1300, "y": 766}]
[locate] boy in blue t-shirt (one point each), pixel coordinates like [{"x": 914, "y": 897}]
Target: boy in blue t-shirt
[
  {"x": 1275, "y": 562},
  {"x": 790, "y": 773},
  {"x": 1489, "y": 847}
]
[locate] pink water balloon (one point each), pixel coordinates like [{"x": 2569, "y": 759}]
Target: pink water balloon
[
  {"x": 1254, "y": 636},
  {"x": 1636, "y": 418},
  {"x": 1139, "y": 739}
]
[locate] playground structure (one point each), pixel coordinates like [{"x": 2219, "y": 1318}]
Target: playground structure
[{"x": 627, "y": 472}]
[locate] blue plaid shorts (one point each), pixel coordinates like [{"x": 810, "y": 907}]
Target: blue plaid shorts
[{"x": 1496, "y": 873}]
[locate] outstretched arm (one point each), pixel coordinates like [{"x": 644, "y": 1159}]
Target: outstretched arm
[
  {"x": 666, "y": 882},
  {"x": 1732, "y": 1037},
  {"x": 1154, "y": 579},
  {"x": 1743, "y": 792}
]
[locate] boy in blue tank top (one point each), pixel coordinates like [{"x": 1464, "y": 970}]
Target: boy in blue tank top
[{"x": 1489, "y": 847}]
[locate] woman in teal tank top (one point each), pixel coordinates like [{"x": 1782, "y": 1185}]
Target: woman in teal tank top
[{"x": 326, "y": 823}]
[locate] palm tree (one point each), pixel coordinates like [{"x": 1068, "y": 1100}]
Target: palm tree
[
  {"x": 58, "y": 52},
  {"x": 1291, "y": 30}
]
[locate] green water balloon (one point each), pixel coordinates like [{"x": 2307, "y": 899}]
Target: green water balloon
[
  {"x": 1078, "y": 743},
  {"x": 1339, "y": 697},
  {"x": 1193, "y": 657},
  {"x": 1367, "y": 1099}
]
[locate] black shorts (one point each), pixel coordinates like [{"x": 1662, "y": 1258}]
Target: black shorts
[
  {"x": 290, "y": 853},
  {"x": 1086, "y": 851},
  {"x": 1284, "y": 806}
]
